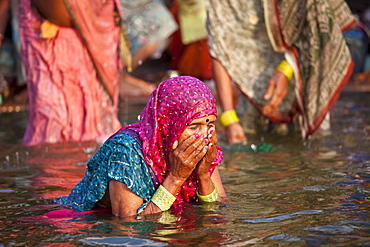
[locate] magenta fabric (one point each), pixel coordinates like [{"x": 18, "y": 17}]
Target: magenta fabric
[
  {"x": 67, "y": 213},
  {"x": 171, "y": 107}
]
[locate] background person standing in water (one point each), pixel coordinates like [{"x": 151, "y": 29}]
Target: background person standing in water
[
  {"x": 288, "y": 58},
  {"x": 70, "y": 52}
]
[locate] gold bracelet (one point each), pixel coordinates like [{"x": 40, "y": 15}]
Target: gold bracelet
[
  {"x": 228, "y": 117},
  {"x": 163, "y": 198},
  {"x": 285, "y": 68},
  {"x": 213, "y": 197}
]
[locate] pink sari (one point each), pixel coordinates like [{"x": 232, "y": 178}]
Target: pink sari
[{"x": 72, "y": 78}]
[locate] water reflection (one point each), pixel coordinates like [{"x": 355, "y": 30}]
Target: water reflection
[
  {"x": 315, "y": 192},
  {"x": 121, "y": 241}
]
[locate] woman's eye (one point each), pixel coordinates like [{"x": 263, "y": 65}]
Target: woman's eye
[{"x": 193, "y": 127}]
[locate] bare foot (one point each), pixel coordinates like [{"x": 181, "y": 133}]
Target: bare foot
[{"x": 146, "y": 87}]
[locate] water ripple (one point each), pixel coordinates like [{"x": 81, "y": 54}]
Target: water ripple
[
  {"x": 282, "y": 217},
  {"x": 121, "y": 241},
  {"x": 332, "y": 229}
]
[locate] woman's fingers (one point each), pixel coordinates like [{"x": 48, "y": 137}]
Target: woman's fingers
[
  {"x": 192, "y": 149},
  {"x": 186, "y": 156},
  {"x": 175, "y": 144},
  {"x": 235, "y": 134},
  {"x": 196, "y": 148},
  {"x": 276, "y": 92}
]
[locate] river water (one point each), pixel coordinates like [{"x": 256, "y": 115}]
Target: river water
[{"x": 300, "y": 193}]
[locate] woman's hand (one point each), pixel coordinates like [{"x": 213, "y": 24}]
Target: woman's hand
[
  {"x": 206, "y": 186},
  {"x": 194, "y": 151},
  {"x": 204, "y": 164},
  {"x": 235, "y": 134},
  {"x": 277, "y": 90},
  {"x": 148, "y": 88},
  {"x": 185, "y": 157}
]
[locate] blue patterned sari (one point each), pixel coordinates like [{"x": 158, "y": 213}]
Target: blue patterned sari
[{"x": 121, "y": 159}]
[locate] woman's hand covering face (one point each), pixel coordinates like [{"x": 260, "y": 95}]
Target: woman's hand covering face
[
  {"x": 195, "y": 149},
  {"x": 204, "y": 164}
]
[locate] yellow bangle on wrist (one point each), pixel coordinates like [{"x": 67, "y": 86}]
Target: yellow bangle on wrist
[
  {"x": 228, "y": 117},
  {"x": 163, "y": 198},
  {"x": 285, "y": 68},
  {"x": 213, "y": 197}
]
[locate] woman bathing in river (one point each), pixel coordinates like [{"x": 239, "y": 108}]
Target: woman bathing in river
[{"x": 168, "y": 158}]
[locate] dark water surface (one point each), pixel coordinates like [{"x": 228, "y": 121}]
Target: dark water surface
[{"x": 302, "y": 193}]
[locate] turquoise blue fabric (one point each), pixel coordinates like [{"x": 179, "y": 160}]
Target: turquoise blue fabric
[{"x": 120, "y": 158}]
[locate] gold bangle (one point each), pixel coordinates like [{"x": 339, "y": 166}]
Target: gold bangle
[
  {"x": 213, "y": 197},
  {"x": 285, "y": 68},
  {"x": 228, "y": 117},
  {"x": 163, "y": 198}
]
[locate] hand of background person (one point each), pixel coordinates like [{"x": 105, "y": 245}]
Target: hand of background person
[
  {"x": 148, "y": 88},
  {"x": 185, "y": 157},
  {"x": 276, "y": 92},
  {"x": 235, "y": 134}
]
